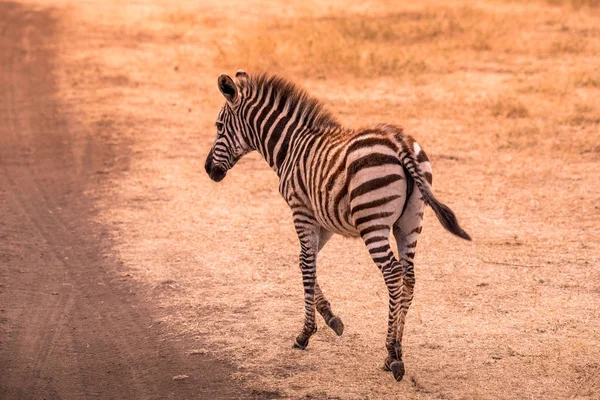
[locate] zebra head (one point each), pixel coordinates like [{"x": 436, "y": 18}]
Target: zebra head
[{"x": 230, "y": 145}]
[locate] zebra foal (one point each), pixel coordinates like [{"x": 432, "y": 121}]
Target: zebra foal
[{"x": 356, "y": 183}]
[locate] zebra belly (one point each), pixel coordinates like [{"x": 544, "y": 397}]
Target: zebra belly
[{"x": 337, "y": 219}]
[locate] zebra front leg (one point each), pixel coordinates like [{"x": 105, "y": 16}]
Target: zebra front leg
[{"x": 309, "y": 244}]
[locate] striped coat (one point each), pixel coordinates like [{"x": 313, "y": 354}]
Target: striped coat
[{"x": 363, "y": 183}]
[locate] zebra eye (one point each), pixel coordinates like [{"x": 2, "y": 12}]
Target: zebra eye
[{"x": 219, "y": 126}]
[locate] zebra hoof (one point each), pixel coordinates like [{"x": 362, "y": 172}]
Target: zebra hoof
[
  {"x": 337, "y": 325},
  {"x": 301, "y": 342},
  {"x": 297, "y": 346},
  {"x": 397, "y": 368}
]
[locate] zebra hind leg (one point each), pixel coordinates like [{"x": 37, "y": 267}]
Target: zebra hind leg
[
  {"x": 406, "y": 248},
  {"x": 379, "y": 248},
  {"x": 392, "y": 275},
  {"x": 406, "y": 231},
  {"x": 323, "y": 306}
]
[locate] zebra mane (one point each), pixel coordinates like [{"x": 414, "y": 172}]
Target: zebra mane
[{"x": 292, "y": 96}]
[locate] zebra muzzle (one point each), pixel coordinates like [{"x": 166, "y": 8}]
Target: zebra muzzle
[{"x": 215, "y": 173}]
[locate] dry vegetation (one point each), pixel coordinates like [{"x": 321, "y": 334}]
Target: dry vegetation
[{"x": 504, "y": 95}]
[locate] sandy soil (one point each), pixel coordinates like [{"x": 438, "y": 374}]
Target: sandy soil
[{"x": 503, "y": 95}]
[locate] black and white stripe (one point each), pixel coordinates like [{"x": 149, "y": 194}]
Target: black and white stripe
[{"x": 360, "y": 183}]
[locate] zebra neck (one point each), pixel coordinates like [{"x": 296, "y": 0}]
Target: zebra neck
[{"x": 279, "y": 140}]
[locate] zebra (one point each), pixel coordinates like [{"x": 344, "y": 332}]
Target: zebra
[{"x": 361, "y": 183}]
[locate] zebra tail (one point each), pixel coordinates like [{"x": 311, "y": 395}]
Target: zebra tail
[{"x": 444, "y": 214}]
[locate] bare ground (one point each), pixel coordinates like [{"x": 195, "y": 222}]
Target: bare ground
[
  {"x": 503, "y": 95},
  {"x": 72, "y": 324}
]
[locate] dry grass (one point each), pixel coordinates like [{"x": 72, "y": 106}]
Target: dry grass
[
  {"x": 576, "y": 4},
  {"x": 588, "y": 79},
  {"x": 397, "y": 42},
  {"x": 508, "y": 107},
  {"x": 400, "y": 42},
  {"x": 504, "y": 95}
]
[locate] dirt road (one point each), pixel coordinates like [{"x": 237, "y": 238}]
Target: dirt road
[{"x": 71, "y": 325}]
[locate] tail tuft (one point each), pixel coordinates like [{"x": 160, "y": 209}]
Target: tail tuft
[{"x": 447, "y": 218}]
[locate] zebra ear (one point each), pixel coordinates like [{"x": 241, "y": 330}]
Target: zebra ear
[
  {"x": 242, "y": 78},
  {"x": 228, "y": 88},
  {"x": 241, "y": 74}
]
